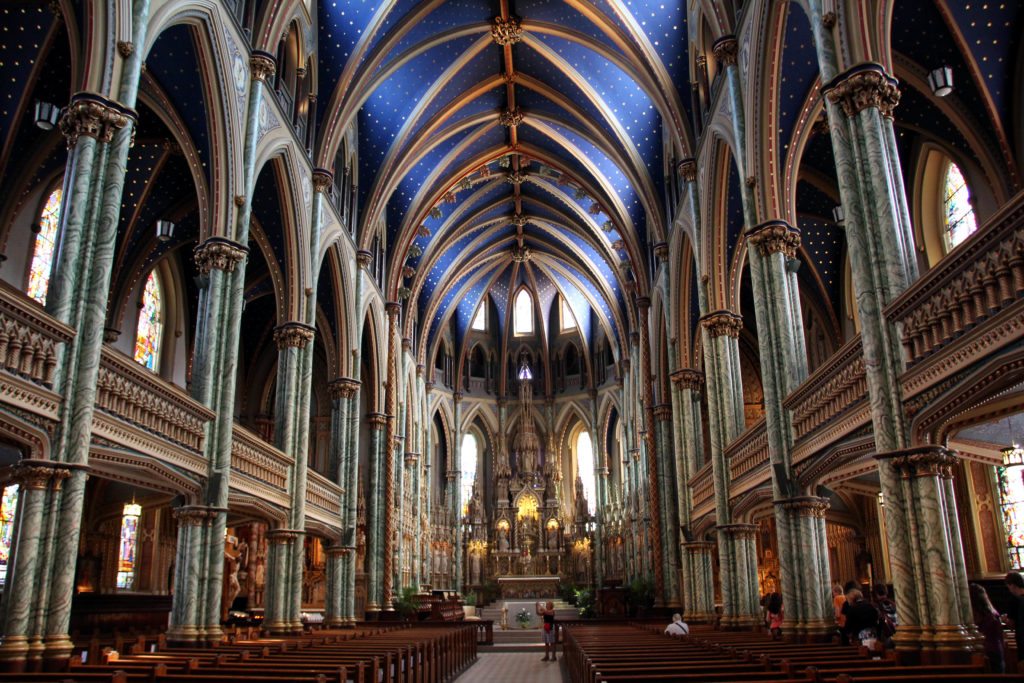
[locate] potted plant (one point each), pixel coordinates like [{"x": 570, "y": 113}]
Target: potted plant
[
  {"x": 469, "y": 607},
  {"x": 523, "y": 618},
  {"x": 406, "y": 604}
]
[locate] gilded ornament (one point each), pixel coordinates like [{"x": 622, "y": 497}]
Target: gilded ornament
[
  {"x": 293, "y": 335},
  {"x": 511, "y": 117},
  {"x": 218, "y": 253},
  {"x": 506, "y": 31},
  {"x": 726, "y": 50},
  {"x": 722, "y": 323},
  {"x": 322, "y": 179},
  {"x": 93, "y": 117},
  {"x": 775, "y": 237},
  {"x": 262, "y": 66},
  {"x": 862, "y": 87}
]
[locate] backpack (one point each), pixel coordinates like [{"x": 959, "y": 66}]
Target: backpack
[{"x": 887, "y": 620}]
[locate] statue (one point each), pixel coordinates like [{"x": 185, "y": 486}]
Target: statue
[
  {"x": 582, "y": 509},
  {"x": 474, "y": 574},
  {"x": 476, "y": 505},
  {"x": 552, "y": 538},
  {"x": 502, "y": 539}
]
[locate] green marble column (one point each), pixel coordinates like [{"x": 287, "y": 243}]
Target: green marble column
[
  {"x": 805, "y": 576},
  {"x": 199, "y": 569},
  {"x": 349, "y": 481},
  {"x": 600, "y": 490},
  {"x": 721, "y": 331},
  {"x": 454, "y": 473},
  {"x": 669, "y": 517},
  {"x": 698, "y": 564},
  {"x": 374, "y": 516}
]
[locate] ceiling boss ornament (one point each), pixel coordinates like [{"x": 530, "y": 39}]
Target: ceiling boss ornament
[
  {"x": 506, "y": 31},
  {"x": 511, "y": 117}
]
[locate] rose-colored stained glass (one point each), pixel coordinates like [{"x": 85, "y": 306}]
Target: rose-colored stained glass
[
  {"x": 147, "y": 339},
  {"x": 44, "y": 248},
  {"x": 956, "y": 200},
  {"x": 1011, "y": 500},
  {"x": 8, "y": 506}
]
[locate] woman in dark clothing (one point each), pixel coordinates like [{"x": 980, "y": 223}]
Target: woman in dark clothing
[
  {"x": 987, "y": 619},
  {"x": 550, "y": 634},
  {"x": 861, "y": 617}
]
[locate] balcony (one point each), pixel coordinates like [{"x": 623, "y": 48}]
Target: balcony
[
  {"x": 323, "y": 499},
  {"x": 262, "y": 469},
  {"x": 702, "y": 485},
  {"x": 748, "y": 459}
]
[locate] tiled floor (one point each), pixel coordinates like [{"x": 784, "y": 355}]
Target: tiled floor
[{"x": 514, "y": 668}]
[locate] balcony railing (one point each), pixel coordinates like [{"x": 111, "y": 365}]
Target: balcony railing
[
  {"x": 128, "y": 391},
  {"x": 30, "y": 340},
  {"x": 979, "y": 279},
  {"x": 703, "y": 486},
  {"x": 257, "y": 459},
  {"x": 830, "y": 403},
  {"x": 748, "y": 453},
  {"x": 323, "y": 496}
]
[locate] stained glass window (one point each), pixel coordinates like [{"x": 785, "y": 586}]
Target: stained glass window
[
  {"x": 480, "y": 320},
  {"x": 522, "y": 322},
  {"x": 585, "y": 465},
  {"x": 1011, "y": 500},
  {"x": 956, "y": 203},
  {"x": 8, "y": 506},
  {"x": 44, "y": 248},
  {"x": 567, "y": 319},
  {"x": 468, "y": 458},
  {"x": 126, "y": 551},
  {"x": 147, "y": 339}
]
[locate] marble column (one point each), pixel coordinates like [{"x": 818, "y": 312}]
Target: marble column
[
  {"x": 279, "y": 578},
  {"x": 669, "y": 516},
  {"x": 349, "y": 481},
  {"x": 805, "y": 566},
  {"x": 374, "y": 522},
  {"x": 698, "y": 573},
  {"x": 600, "y": 490},
  {"x": 221, "y": 264},
  {"x": 334, "y": 616},
  {"x": 721, "y": 331},
  {"x": 454, "y": 489}
]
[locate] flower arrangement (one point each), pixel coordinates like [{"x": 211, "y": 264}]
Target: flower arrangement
[{"x": 523, "y": 618}]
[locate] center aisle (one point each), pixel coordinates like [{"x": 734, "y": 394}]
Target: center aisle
[{"x": 514, "y": 668}]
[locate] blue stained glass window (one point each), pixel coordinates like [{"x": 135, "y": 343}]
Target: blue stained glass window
[
  {"x": 150, "y": 329},
  {"x": 44, "y": 248},
  {"x": 1011, "y": 500},
  {"x": 956, "y": 203}
]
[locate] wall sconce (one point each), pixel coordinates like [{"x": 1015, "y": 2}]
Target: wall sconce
[
  {"x": 941, "y": 81},
  {"x": 838, "y": 214},
  {"x": 164, "y": 230},
  {"x": 46, "y": 115}
]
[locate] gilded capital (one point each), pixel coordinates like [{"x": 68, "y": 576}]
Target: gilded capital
[
  {"x": 806, "y": 506},
  {"x": 738, "y": 531},
  {"x": 262, "y": 65},
  {"x": 775, "y": 237},
  {"x": 364, "y": 258},
  {"x": 506, "y": 31},
  {"x": 343, "y": 387},
  {"x": 92, "y": 116},
  {"x": 922, "y": 461},
  {"x": 721, "y": 323},
  {"x": 726, "y": 50},
  {"x": 688, "y": 378},
  {"x": 862, "y": 87},
  {"x": 194, "y": 515},
  {"x": 377, "y": 421},
  {"x": 687, "y": 169},
  {"x": 293, "y": 335},
  {"x": 322, "y": 179},
  {"x": 661, "y": 251},
  {"x": 663, "y": 412},
  {"x": 392, "y": 308},
  {"x": 643, "y": 302},
  {"x": 37, "y": 474},
  {"x": 218, "y": 253}
]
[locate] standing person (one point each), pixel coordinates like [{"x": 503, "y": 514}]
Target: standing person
[
  {"x": 987, "y": 620},
  {"x": 547, "y": 612},
  {"x": 773, "y": 606},
  {"x": 1015, "y": 582},
  {"x": 838, "y": 600},
  {"x": 678, "y": 627}
]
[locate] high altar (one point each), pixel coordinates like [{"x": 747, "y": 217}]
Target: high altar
[{"x": 532, "y": 542}]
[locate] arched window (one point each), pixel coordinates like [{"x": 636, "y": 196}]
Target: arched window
[
  {"x": 960, "y": 221},
  {"x": 568, "y": 321},
  {"x": 8, "y": 506},
  {"x": 468, "y": 457},
  {"x": 129, "y": 539},
  {"x": 44, "y": 248},
  {"x": 151, "y": 326},
  {"x": 522, "y": 323},
  {"x": 480, "y": 319},
  {"x": 585, "y": 468}
]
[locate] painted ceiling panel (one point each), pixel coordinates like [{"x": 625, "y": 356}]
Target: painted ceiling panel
[
  {"x": 798, "y": 74},
  {"x": 577, "y": 302}
]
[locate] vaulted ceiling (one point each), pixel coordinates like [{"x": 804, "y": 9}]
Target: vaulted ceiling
[{"x": 507, "y": 145}]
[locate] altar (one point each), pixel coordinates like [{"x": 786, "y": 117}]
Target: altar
[{"x": 536, "y": 587}]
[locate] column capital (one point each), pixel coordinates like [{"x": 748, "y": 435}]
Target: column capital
[
  {"x": 393, "y": 308},
  {"x": 726, "y": 50},
  {"x": 643, "y": 302},
  {"x": 411, "y": 458},
  {"x": 457, "y": 397},
  {"x": 196, "y": 515},
  {"x": 343, "y": 387},
  {"x": 282, "y": 536},
  {"x": 506, "y": 31},
  {"x": 922, "y": 461},
  {"x": 377, "y": 421},
  {"x": 719, "y": 323},
  {"x": 364, "y": 258},
  {"x": 741, "y": 531},
  {"x": 806, "y": 506},
  {"x": 420, "y": 369},
  {"x": 774, "y": 237},
  {"x": 293, "y": 335},
  {"x": 262, "y": 64},
  {"x": 406, "y": 344},
  {"x": 322, "y": 179},
  {"x": 697, "y": 547},
  {"x": 688, "y": 378},
  {"x": 452, "y": 475},
  {"x": 863, "y": 86},
  {"x": 661, "y": 251},
  {"x": 219, "y": 253},
  {"x": 37, "y": 474},
  {"x": 339, "y": 550},
  {"x": 687, "y": 170},
  {"x": 663, "y": 412},
  {"x": 94, "y": 116}
]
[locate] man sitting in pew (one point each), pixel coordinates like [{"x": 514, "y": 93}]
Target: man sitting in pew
[{"x": 678, "y": 627}]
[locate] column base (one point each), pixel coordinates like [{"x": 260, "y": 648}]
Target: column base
[
  {"x": 815, "y": 632},
  {"x": 937, "y": 645},
  {"x": 13, "y": 654},
  {"x": 183, "y": 635}
]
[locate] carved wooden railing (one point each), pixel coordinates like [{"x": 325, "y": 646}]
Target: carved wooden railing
[
  {"x": 257, "y": 459},
  {"x": 978, "y": 280},
  {"x": 833, "y": 398},
  {"x": 702, "y": 485},
  {"x": 749, "y": 452},
  {"x": 132, "y": 393},
  {"x": 30, "y": 340},
  {"x": 323, "y": 494}
]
